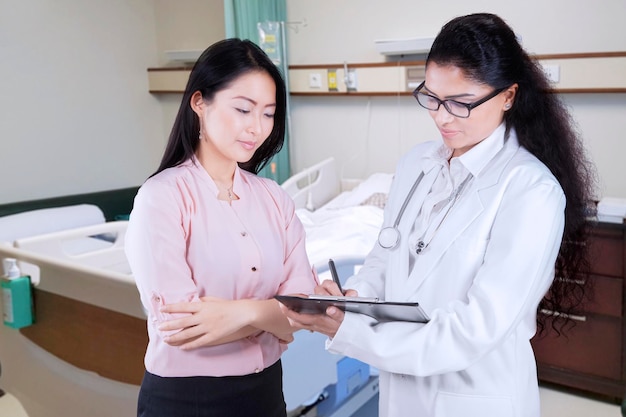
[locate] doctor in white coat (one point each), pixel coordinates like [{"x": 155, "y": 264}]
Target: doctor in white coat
[{"x": 473, "y": 230}]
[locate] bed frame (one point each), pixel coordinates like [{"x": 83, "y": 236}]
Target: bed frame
[{"x": 313, "y": 187}]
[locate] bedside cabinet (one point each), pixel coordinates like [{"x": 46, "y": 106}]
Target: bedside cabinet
[{"x": 590, "y": 356}]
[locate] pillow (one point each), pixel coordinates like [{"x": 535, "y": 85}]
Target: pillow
[
  {"x": 42, "y": 221},
  {"x": 378, "y": 183},
  {"x": 377, "y": 199}
]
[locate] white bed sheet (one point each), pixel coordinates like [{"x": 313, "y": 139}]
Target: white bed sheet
[
  {"x": 346, "y": 232},
  {"x": 345, "y": 227}
]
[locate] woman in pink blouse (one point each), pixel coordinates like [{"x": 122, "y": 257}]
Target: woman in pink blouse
[{"x": 210, "y": 243}]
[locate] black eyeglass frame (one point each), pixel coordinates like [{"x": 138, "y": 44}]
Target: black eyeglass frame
[{"x": 469, "y": 106}]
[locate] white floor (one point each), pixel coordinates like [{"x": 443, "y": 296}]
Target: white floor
[
  {"x": 555, "y": 402},
  {"x": 561, "y": 403}
]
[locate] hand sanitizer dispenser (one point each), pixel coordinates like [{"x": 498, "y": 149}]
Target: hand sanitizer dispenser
[{"x": 17, "y": 311}]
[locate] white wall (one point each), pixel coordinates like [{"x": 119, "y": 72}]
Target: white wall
[
  {"x": 345, "y": 30},
  {"x": 369, "y": 134},
  {"x": 75, "y": 113}
]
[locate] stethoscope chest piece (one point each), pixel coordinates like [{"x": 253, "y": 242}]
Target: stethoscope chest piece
[{"x": 389, "y": 237}]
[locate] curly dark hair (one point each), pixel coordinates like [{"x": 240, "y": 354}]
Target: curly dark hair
[
  {"x": 215, "y": 70},
  {"x": 487, "y": 50}
]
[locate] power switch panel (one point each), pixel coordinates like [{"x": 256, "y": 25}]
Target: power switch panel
[{"x": 351, "y": 82}]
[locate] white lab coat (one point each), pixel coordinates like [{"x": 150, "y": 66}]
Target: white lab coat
[{"x": 480, "y": 280}]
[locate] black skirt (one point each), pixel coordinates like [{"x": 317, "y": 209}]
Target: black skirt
[{"x": 204, "y": 396}]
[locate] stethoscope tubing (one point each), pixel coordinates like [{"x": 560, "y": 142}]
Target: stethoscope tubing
[{"x": 389, "y": 236}]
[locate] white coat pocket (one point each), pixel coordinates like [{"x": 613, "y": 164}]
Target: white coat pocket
[{"x": 455, "y": 405}]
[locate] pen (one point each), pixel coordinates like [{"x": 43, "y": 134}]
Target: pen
[{"x": 333, "y": 273}]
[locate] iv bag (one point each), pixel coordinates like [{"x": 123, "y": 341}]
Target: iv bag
[{"x": 270, "y": 40}]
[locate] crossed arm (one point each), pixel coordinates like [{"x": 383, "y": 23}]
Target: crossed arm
[{"x": 213, "y": 321}]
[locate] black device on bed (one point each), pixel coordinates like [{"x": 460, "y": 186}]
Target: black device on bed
[{"x": 379, "y": 310}]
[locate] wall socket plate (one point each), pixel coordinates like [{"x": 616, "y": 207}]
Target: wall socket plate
[
  {"x": 552, "y": 72},
  {"x": 315, "y": 80}
]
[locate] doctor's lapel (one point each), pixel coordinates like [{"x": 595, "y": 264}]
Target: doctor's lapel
[{"x": 461, "y": 215}]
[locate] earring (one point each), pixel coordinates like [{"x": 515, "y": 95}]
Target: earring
[
  {"x": 507, "y": 106},
  {"x": 200, "y": 135}
]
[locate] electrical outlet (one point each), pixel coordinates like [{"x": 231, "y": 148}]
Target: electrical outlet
[
  {"x": 351, "y": 81},
  {"x": 315, "y": 80},
  {"x": 552, "y": 72}
]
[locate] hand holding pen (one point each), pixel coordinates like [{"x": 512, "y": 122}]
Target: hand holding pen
[
  {"x": 333, "y": 273},
  {"x": 327, "y": 288}
]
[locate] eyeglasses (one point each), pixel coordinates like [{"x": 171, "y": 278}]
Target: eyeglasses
[{"x": 453, "y": 107}]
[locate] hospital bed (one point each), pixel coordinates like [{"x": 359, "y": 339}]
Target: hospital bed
[
  {"x": 90, "y": 336},
  {"x": 90, "y": 326},
  {"x": 85, "y": 350}
]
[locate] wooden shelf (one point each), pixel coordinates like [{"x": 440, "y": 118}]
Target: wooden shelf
[
  {"x": 168, "y": 80},
  {"x": 582, "y": 73}
]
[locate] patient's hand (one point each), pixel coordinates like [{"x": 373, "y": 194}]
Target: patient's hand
[{"x": 211, "y": 321}]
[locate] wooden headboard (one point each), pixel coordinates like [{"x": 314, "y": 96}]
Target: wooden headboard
[{"x": 115, "y": 204}]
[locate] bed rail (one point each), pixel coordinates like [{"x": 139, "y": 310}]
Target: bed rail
[
  {"x": 313, "y": 187},
  {"x": 93, "y": 277}
]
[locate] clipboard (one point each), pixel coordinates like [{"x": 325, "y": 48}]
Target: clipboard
[{"x": 382, "y": 311}]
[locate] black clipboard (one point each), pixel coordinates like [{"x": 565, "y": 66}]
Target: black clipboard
[{"x": 379, "y": 310}]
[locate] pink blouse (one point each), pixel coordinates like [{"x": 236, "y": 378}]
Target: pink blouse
[{"x": 183, "y": 243}]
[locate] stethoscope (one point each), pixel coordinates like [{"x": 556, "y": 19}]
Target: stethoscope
[{"x": 389, "y": 236}]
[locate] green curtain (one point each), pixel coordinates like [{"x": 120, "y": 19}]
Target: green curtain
[{"x": 241, "y": 18}]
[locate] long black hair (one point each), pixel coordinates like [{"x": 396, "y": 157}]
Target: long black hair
[
  {"x": 487, "y": 50},
  {"x": 216, "y": 68}
]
